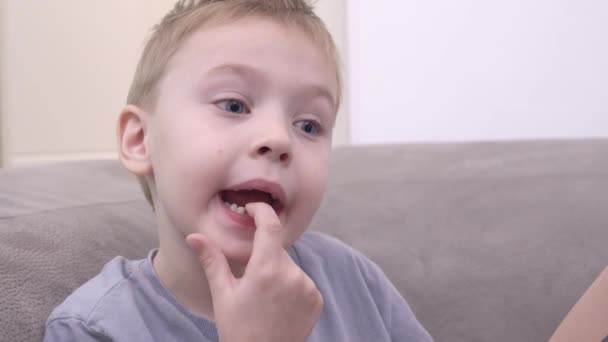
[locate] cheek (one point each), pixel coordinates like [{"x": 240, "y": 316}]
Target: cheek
[
  {"x": 317, "y": 183},
  {"x": 311, "y": 188},
  {"x": 188, "y": 170},
  {"x": 313, "y": 177}
]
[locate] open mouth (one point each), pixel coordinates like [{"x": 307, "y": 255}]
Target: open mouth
[{"x": 237, "y": 199}]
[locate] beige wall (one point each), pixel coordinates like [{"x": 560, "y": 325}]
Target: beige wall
[
  {"x": 65, "y": 68},
  {"x": 1, "y": 83}
]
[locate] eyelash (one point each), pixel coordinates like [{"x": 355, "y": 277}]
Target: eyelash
[
  {"x": 317, "y": 126},
  {"x": 226, "y": 102}
]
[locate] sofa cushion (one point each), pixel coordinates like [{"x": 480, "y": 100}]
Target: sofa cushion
[{"x": 58, "y": 225}]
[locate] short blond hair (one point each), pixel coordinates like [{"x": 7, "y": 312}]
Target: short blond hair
[{"x": 187, "y": 16}]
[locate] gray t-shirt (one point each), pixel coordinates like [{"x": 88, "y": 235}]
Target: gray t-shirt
[{"x": 127, "y": 302}]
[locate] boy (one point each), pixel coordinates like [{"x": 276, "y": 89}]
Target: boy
[{"x": 228, "y": 126}]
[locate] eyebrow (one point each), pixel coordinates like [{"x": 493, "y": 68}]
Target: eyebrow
[
  {"x": 250, "y": 73},
  {"x": 239, "y": 69}
]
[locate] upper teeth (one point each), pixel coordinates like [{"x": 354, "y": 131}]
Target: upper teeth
[{"x": 241, "y": 210}]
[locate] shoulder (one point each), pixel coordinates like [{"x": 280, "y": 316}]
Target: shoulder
[
  {"x": 335, "y": 266},
  {"x": 313, "y": 243},
  {"x": 319, "y": 252},
  {"x": 108, "y": 286}
]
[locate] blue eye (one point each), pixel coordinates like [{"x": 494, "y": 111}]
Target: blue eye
[
  {"x": 233, "y": 106},
  {"x": 309, "y": 127}
]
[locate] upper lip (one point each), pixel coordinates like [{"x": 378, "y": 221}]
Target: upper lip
[{"x": 274, "y": 189}]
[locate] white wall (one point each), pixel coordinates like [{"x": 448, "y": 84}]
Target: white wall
[
  {"x": 333, "y": 13},
  {"x": 448, "y": 70},
  {"x": 65, "y": 69}
]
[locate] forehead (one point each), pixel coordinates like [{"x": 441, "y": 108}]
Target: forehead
[{"x": 260, "y": 44}]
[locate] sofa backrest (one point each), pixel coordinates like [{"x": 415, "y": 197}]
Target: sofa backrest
[{"x": 487, "y": 241}]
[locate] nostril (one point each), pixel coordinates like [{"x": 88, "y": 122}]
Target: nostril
[{"x": 273, "y": 153}]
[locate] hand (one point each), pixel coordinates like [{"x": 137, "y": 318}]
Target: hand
[{"x": 274, "y": 300}]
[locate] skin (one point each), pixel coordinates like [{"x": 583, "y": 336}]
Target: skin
[{"x": 252, "y": 99}]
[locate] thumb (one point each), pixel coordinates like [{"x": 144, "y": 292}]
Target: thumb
[{"x": 213, "y": 262}]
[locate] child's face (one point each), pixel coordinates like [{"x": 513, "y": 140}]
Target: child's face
[{"x": 249, "y": 101}]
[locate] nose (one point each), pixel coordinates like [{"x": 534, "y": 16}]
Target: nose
[{"x": 274, "y": 143}]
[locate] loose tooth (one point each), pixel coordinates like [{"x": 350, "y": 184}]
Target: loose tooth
[
  {"x": 241, "y": 210},
  {"x": 233, "y": 207}
]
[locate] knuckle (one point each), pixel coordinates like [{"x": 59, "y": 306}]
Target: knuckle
[
  {"x": 311, "y": 288},
  {"x": 274, "y": 226},
  {"x": 266, "y": 275},
  {"x": 207, "y": 260},
  {"x": 313, "y": 291},
  {"x": 319, "y": 303},
  {"x": 314, "y": 299}
]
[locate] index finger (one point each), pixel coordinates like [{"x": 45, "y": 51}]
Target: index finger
[{"x": 268, "y": 238}]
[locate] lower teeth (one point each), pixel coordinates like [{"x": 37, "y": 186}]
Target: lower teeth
[{"x": 236, "y": 208}]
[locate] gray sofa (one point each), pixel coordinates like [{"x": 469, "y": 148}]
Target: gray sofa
[{"x": 487, "y": 241}]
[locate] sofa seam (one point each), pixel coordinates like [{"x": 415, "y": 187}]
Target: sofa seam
[
  {"x": 58, "y": 209},
  {"x": 440, "y": 180}
]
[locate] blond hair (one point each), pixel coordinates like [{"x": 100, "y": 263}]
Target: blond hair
[{"x": 188, "y": 16}]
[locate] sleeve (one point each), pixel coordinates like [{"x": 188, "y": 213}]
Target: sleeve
[
  {"x": 403, "y": 324},
  {"x": 399, "y": 320},
  {"x": 71, "y": 330}
]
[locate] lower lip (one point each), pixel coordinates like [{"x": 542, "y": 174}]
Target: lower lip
[{"x": 242, "y": 219}]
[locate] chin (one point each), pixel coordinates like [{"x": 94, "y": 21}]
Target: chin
[
  {"x": 237, "y": 253},
  {"x": 238, "y": 259}
]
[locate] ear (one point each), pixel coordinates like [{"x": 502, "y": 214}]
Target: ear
[{"x": 132, "y": 133}]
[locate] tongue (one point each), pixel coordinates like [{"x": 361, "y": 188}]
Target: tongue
[{"x": 243, "y": 197}]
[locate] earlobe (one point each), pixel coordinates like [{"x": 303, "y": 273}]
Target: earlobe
[{"x": 131, "y": 134}]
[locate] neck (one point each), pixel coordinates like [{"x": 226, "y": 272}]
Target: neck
[{"x": 180, "y": 272}]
